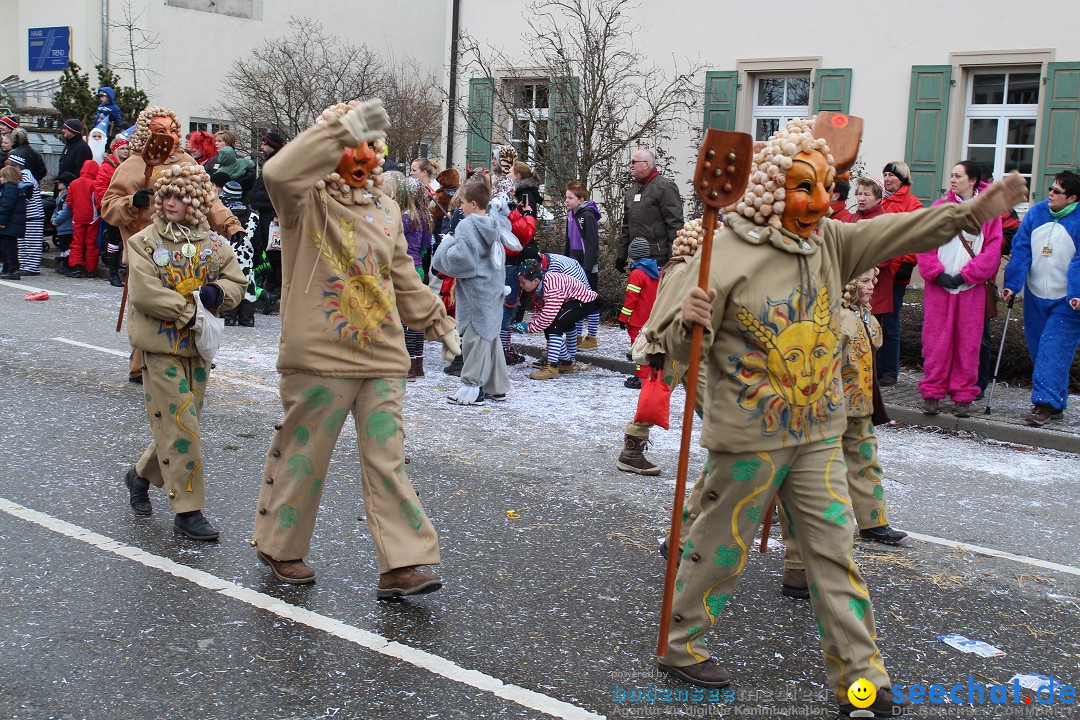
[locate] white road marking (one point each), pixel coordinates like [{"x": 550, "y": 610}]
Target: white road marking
[
  {"x": 371, "y": 641},
  {"x": 76, "y": 343},
  {"x": 219, "y": 374},
  {"x": 978, "y": 549},
  {"x": 31, "y": 288},
  {"x": 991, "y": 552}
]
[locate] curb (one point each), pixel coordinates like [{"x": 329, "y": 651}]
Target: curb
[{"x": 1002, "y": 432}]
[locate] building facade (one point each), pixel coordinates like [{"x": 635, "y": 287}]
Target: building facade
[{"x": 935, "y": 83}]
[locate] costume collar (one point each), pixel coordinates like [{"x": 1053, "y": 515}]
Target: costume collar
[{"x": 1063, "y": 212}]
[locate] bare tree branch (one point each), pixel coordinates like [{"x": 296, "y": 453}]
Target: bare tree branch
[
  {"x": 287, "y": 82},
  {"x": 136, "y": 42}
]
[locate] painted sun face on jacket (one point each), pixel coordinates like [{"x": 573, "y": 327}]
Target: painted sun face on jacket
[
  {"x": 808, "y": 186},
  {"x": 790, "y": 369},
  {"x": 357, "y": 164}
]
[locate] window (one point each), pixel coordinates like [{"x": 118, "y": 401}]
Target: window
[
  {"x": 211, "y": 126},
  {"x": 999, "y": 122},
  {"x": 528, "y": 123},
  {"x": 777, "y": 99}
]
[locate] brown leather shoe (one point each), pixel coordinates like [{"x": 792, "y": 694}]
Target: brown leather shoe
[
  {"x": 794, "y": 585},
  {"x": 708, "y": 673},
  {"x": 294, "y": 572},
  {"x": 403, "y": 581}
]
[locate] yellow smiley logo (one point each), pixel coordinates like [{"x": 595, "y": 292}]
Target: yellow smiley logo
[{"x": 861, "y": 693}]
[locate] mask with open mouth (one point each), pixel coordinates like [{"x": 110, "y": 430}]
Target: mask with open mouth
[{"x": 355, "y": 176}]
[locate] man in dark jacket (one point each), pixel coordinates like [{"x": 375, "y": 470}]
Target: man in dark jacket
[
  {"x": 259, "y": 200},
  {"x": 653, "y": 210},
  {"x": 76, "y": 151},
  {"x": 20, "y": 146}
]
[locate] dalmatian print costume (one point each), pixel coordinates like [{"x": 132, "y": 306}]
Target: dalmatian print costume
[{"x": 245, "y": 255}]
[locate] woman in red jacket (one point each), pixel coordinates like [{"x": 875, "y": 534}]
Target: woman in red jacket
[
  {"x": 113, "y": 243},
  {"x": 898, "y": 199}
]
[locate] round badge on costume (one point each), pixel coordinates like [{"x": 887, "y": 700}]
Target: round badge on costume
[
  {"x": 188, "y": 250},
  {"x": 161, "y": 257}
]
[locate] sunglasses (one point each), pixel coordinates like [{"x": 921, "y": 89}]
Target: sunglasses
[{"x": 1054, "y": 191}]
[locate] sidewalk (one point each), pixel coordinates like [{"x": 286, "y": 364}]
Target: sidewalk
[{"x": 1005, "y": 423}]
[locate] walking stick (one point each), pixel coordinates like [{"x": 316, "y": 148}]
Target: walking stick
[
  {"x": 766, "y": 527},
  {"x": 156, "y": 151},
  {"x": 1001, "y": 347},
  {"x": 723, "y": 168}
]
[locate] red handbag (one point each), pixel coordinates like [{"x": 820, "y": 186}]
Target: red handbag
[{"x": 654, "y": 401}]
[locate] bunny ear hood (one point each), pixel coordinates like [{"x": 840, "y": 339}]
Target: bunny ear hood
[{"x": 499, "y": 210}]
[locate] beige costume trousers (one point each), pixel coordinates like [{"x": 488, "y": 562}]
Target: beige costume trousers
[
  {"x": 811, "y": 483},
  {"x": 315, "y": 410},
  {"x": 174, "y": 388}
]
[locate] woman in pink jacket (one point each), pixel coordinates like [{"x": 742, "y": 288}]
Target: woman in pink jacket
[{"x": 954, "y": 303}]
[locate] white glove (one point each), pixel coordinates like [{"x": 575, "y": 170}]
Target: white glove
[
  {"x": 451, "y": 345},
  {"x": 367, "y": 121}
]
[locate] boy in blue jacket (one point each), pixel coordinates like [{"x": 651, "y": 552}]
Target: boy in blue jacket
[
  {"x": 108, "y": 111},
  {"x": 62, "y": 221}
]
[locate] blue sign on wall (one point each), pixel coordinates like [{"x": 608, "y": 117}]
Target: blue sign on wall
[{"x": 50, "y": 48}]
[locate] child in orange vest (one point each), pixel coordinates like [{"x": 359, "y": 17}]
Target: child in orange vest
[{"x": 640, "y": 295}]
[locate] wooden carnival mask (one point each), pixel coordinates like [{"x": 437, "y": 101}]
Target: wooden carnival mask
[
  {"x": 357, "y": 164},
  {"x": 165, "y": 125},
  {"x": 808, "y": 184}
]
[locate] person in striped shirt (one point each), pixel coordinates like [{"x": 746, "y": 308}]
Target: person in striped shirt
[{"x": 561, "y": 301}]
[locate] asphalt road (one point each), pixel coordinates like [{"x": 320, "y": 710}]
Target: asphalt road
[{"x": 549, "y": 614}]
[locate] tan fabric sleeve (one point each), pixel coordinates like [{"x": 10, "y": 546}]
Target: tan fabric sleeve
[
  {"x": 222, "y": 219},
  {"x": 869, "y": 243},
  {"x": 290, "y": 175},
  {"x": 116, "y": 205}
]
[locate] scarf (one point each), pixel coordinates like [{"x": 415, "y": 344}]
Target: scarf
[
  {"x": 573, "y": 232},
  {"x": 1063, "y": 212}
]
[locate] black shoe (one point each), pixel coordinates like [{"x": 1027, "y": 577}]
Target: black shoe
[
  {"x": 454, "y": 368},
  {"x": 11, "y": 276},
  {"x": 195, "y": 526},
  {"x": 883, "y": 706},
  {"x": 633, "y": 382},
  {"x": 229, "y": 322},
  {"x": 138, "y": 493},
  {"x": 76, "y": 271},
  {"x": 137, "y": 379},
  {"x": 246, "y": 322},
  {"x": 885, "y": 535},
  {"x": 513, "y": 358},
  {"x": 887, "y": 380}
]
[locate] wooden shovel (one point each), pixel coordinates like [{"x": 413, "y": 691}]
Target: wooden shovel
[
  {"x": 723, "y": 168},
  {"x": 843, "y": 133},
  {"x": 156, "y": 151}
]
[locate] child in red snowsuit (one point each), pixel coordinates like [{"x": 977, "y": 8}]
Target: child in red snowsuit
[
  {"x": 640, "y": 295},
  {"x": 83, "y": 256}
]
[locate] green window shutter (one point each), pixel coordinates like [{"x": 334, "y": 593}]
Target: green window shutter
[
  {"x": 480, "y": 119},
  {"x": 928, "y": 111},
  {"x": 720, "y": 89},
  {"x": 562, "y": 131},
  {"x": 832, "y": 89},
  {"x": 1059, "y": 148}
]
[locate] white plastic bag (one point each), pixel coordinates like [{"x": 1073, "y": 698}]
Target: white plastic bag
[
  {"x": 273, "y": 239},
  {"x": 208, "y": 331}
]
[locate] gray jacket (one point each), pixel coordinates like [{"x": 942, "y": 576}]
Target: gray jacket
[{"x": 471, "y": 255}]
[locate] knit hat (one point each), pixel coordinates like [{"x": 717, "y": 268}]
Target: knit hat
[
  {"x": 67, "y": 178},
  {"x": 505, "y": 156},
  {"x": 232, "y": 192},
  {"x": 638, "y": 248},
  {"x": 449, "y": 178},
  {"x": 530, "y": 269},
  {"x": 9, "y": 122},
  {"x": 118, "y": 142},
  {"x": 74, "y": 125},
  {"x": 273, "y": 139},
  {"x": 876, "y": 180},
  {"x": 220, "y": 179},
  {"x": 17, "y": 159}
]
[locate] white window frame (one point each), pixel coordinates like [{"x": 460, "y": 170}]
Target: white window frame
[
  {"x": 532, "y": 116},
  {"x": 783, "y": 113},
  {"x": 1003, "y": 113}
]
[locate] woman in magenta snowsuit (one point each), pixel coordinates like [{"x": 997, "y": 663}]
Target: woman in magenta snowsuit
[{"x": 954, "y": 302}]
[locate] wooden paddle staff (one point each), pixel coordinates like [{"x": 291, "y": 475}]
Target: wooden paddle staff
[
  {"x": 155, "y": 152},
  {"x": 843, "y": 133},
  {"x": 723, "y": 167}
]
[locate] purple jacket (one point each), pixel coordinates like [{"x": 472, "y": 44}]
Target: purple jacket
[{"x": 418, "y": 237}]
